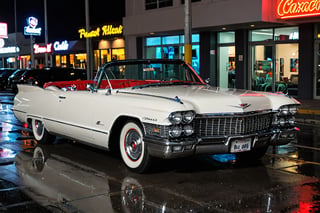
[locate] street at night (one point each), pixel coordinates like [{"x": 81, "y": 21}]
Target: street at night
[{"x": 70, "y": 177}]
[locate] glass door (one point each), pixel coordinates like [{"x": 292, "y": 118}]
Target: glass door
[
  {"x": 287, "y": 68},
  {"x": 263, "y": 68},
  {"x": 227, "y": 67}
]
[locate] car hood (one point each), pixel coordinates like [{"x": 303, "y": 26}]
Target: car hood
[{"x": 207, "y": 99}]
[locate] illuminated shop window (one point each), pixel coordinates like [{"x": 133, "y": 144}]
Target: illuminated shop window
[
  {"x": 71, "y": 60},
  {"x": 172, "y": 47},
  {"x": 152, "y": 41},
  {"x": 118, "y": 54},
  {"x": 286, "y": 33},
  {"x": 261, "y": 35},
  {"x": 170, "y": 40},
  {"x": 58, "y": 61},
  {"x": 277, "y": 34},
  {"x": 195, "y": 38},
  {"x": 63, "y": 61},
  {"x": 226, "y": 37}
]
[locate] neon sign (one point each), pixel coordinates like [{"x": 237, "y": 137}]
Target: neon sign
[
  {"x": 3, "y": 30},
  {"x": 106, "y": 30},
  {"x": 42, "y": 49},
  {"x": 9, "y": 50},
  {"x": 31, "y": 28},
  {"x": 57, "y": 46},
  {"x": 287, "y": 9}
]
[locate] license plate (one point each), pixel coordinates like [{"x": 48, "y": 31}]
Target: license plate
[{"x": 241, "y": 145}]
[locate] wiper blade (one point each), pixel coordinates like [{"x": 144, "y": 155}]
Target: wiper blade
[{"x": 146, "y": 85}]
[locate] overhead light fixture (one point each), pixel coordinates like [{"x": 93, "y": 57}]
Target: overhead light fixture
[
  {"x": 252, "y": 25},
  {"x": 224, "y": 28}
]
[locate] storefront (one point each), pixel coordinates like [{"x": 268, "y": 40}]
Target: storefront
[
  {"x": 275, "y": 59},
  {"x": 69, "y": 54},
  {"x": 14, "y": 51},
  {"x": 274, "y": 47},
  {"x": 172, "y": 47},
  {"x": 107, "y": 41}
]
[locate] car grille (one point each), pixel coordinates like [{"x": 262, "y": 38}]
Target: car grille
[{"x": 217, "y": 126}]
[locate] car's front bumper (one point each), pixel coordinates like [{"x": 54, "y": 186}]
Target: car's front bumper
[{"x": 164, "y": 148}]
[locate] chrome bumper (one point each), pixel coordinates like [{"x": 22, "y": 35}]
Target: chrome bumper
[{"x": 164, "y": 148}]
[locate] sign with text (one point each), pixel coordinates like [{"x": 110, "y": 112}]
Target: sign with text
[
  {"x": 288, "y": 9},
  {"x": 61, "y": 46},
  {"x": 32, "y": 29},
  {"x": 105, "y": 30},
  {"x": 3, "y": 30},
  {"x": 42, "y": 49},
  {"x": 6, "y": 50}
]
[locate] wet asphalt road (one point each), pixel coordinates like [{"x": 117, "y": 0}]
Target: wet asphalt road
[{"x": 70, "y": 177}]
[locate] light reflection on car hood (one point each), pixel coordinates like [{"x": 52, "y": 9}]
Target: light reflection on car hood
[{"x": 206, "y": 99}]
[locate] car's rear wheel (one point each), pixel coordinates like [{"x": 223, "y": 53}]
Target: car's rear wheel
[
  {"x": 132, "y": 148},
  {"x": 40, "y": 133}
]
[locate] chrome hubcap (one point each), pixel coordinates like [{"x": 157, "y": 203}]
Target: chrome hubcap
[
  {"x": 39, "y": 127},
  {"x": 133, "y": 145}
]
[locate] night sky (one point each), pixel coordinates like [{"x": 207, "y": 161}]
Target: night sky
[{"x": 64, "y": 17}]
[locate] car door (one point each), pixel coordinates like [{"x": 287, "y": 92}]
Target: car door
[{"x": 75, "y": 114}]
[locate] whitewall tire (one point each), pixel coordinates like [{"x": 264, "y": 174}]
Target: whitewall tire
[
  {"x": 132, "y": 148},
  {"x": 40, "y": 133}
]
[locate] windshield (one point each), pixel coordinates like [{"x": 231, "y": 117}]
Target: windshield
[{"x": 148, "y": 72}]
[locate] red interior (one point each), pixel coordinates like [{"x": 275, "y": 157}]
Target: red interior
[{"x": 116, "y": 83}]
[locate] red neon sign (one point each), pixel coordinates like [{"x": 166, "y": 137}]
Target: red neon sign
[
  {"x": 42, "y": 49},
  {"x": 298, "y": 8}
]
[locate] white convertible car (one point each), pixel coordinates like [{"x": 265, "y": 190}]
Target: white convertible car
[{"x": 148, "y": 109}]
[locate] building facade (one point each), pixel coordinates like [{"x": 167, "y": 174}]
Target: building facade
[{"x": 265, "y": 45}]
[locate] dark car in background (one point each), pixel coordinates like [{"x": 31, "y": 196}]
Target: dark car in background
[
  {"x": 4, "y": 74},
  {"x": 15, "y": 78},
  {"x": 40, "y": 76}
]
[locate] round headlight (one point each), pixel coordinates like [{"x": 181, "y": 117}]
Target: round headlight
[
  {"x": 175, "y": 117},
  {"x": 175, "y": 132},
  {"x": 188, "y": 130},
  {"x": 188, "y": 117},
  {"x": 284, "y": 110},
  {"x": 293, "y": 109}
]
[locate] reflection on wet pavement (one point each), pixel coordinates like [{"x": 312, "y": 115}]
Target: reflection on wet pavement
[
  {"x": 68, "y": 177},
  {"x": 13, "y": 135}
]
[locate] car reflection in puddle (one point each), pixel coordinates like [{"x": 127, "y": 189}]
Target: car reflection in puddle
[{"x": 59, "y": 181}]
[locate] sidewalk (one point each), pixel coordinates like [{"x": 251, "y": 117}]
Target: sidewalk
[{"x": 309, "y": 111}]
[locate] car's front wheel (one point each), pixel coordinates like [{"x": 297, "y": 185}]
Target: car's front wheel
[
  {"x": 40, "y": 133},
  {"x": 132, "y": 148}
]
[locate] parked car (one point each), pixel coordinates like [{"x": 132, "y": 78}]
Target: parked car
[
  {"x": 39, "y": 77},
  {"x": 148, "y": 109},
  {"x": 15, "y": 78},
  {"x": 4, "y": 74}
]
